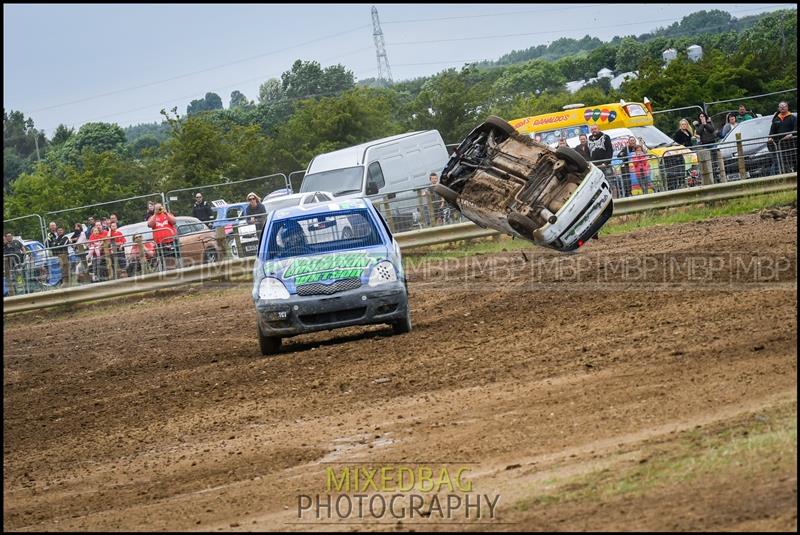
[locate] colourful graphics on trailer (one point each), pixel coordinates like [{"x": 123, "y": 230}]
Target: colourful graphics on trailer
[{"x": 328, "y": 268}]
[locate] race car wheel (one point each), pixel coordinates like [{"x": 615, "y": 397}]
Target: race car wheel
[
  {"x": 497, "y": 122},
  {"x": 404, "y": 325},
  {"x": 524, "y": 226},
  {"x": 270, "y": 345},
  {"x": 572, "y": 156},
  {"x": 446, "y": 193}
]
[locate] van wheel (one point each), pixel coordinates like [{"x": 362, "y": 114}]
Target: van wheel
[
  {"x": 446, "y": 193},
  {"x": 404, "y": 325},
  {"x": 269, "y": 345},
  {"x": 572, "y": 156},
  {"x": 521, "y": 224},
  {"x": 497, "y": 122}
]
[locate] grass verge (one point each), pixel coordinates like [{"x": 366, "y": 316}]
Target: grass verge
[
  {"x": 759, "y": 445},
  {"x": 621, "y": 225}
]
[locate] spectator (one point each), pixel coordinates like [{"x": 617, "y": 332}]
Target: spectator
[
  {"x": 601, "y": 151},
  {"x": 104, "y": 222},
  {"x": 743, "y": 114},
  {"x": 59, "y": 244},
  {"x": 164, "y": 232},
  {"x": 729, "y": 125},
  {"x": 117, "y": 244},
  {"x": 782, "y": 141},
  {"x": 89, "y": 226},
  {"x": 136, "y": 260},
  {"x": 201, "y": 209},
  {"x": 626, "y": 154},
  {"x": 640, "y": 169},
  {"x": 76, "y": 233},
  {"x": 685, "y": 135},
  {"x": 583, "y": 147},
  {"x": 437, "y": 203},
  {"x": 52, "y": 235},
  {"x": 113, "y": 219},
  {"x": 537, "y": 138},
  {"x": 562, "y": 142},
  {"x": 706, "y": 134},
  {"x": 97, "y": 241},
  {"x": 151, "y": 209},
  {"x": 13, "y": 249},
  {"x": 256, "y": 212}
]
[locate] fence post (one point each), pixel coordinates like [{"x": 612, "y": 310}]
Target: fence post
[
  {"x": 705, "y": 167},
  {"x": 389, "y": 218},
  {"x": 238, "y": 241},
  {"x": 63, "y": 257},
  {"x": 7, "y": 272},
  {"x": 107, "y": 258},
  {"x": 740, "y": 156},
  {"x": 723, "y": 176},
  {"x": 222, "y": 243}
]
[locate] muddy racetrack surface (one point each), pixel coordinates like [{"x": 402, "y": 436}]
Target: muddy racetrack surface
[{"x": 552, "y": 378}]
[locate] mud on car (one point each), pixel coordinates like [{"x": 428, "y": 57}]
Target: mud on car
[
  {"x": 326, "y": 266},
  {"x": 506, "y": 181}
]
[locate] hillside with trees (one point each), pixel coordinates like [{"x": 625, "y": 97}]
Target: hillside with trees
[{"x": 311, "y": 109}]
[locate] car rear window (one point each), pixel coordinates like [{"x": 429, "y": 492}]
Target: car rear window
[{"x": 323, "y": 233}]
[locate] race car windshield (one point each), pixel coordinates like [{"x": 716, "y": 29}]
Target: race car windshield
[
  {"x": 339, "y": 181},
  {"x": 322, "y": 233}
]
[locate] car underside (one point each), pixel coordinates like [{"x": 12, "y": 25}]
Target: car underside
[{"x": 507, "y": 181}]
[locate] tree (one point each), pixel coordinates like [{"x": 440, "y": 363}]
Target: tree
[
  {"x": 238, "y": 100},
  {"x": 630, "y": 53},
  {"x": 210, "y": 102},
  {"x": 270, "y": 91},
  {"x": 62, "y": 134},
  {"x": 307, "y": 79}
]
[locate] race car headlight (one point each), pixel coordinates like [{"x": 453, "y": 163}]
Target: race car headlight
[
  {"x": 271, "y": 288},
  {"x": 382, "y": 273}
]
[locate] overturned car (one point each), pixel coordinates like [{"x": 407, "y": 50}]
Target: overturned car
[{"x": 507, "y": 181}]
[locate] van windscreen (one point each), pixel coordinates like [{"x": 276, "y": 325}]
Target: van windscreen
[{"x": 339, "y": 181}]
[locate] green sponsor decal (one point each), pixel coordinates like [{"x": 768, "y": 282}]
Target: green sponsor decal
[{"x": 335, "y": 266}]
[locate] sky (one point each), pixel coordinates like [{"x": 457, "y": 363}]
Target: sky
[{"x": 122, "y": 63}]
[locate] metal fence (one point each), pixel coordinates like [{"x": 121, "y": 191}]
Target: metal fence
[
  {"x": 27, "y": 225},
  {"x": 128, "y": 210},
  {"x": 181, "y": 201},
  {"x": 296, "y": 180}
]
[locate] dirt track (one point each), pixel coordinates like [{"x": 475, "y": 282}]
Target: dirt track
[{"x": 160, "y": 413}]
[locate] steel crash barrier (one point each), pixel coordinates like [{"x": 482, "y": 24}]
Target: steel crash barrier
[{"x": 228, "y": 268}]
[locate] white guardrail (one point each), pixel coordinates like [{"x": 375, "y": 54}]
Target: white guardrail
[{"x": 228, "y": 269}]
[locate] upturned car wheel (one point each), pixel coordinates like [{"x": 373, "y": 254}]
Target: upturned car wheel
[
  {"x": 497, "y": 122},
  {"x": 269, "y": 345},
  {"x": 572, "y": 156},
  {"x": 523, "y": 225}
]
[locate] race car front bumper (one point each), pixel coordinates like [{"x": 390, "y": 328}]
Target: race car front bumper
[{"x": 366, "y": 305}]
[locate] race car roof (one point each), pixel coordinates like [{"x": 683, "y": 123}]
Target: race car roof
[{"x": 320, "y": 208}]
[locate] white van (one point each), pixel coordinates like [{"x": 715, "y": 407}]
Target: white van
[{"x": 384, "y": 169}]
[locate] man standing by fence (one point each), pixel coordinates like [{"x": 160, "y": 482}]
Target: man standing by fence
[
  {"x": 782, "y": 138},
  {"x": 201, "y": 209},
  {"x": 164, "y": 231}
]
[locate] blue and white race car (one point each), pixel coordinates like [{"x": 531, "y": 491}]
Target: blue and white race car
[{"x": 325, "y": 266}]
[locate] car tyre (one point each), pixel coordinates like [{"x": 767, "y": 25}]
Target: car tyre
[
  {"x": 572, "y": 156},
  {"x": 210, "y": 256},
  {"x": 521, "y": 224},
  {"x": 269, "y": 345},
  {"x": 499, "y": 123},
  {"x": 403, "y": 326},
  {"x": 446, "y": 193}
]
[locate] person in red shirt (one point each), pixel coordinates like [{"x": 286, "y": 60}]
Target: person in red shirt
[
  {"x": 118, "y": 245},
  {"x": 97, "y": 241},
  {"x": 137, "y": 259},
  {"x": 164, "y": 231}
]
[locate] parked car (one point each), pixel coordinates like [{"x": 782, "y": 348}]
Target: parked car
[
  {"x": 309, "y": 277},
  {"x": 758, "y": 160},
  {"x": 39, "y": 270},
  {"x": 509, "y": 182},
  {"x": 196, "y": 242}
]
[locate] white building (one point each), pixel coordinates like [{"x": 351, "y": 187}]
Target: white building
[
  {"x": 616, "y": 82},
  {"x": 695, "y": 52},
  {"x": 669, "y": 54},
  {"x": 605, "y": 73}
]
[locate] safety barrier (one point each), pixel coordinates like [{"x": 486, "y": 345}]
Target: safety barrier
[{"x": 227, "y": 269}]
